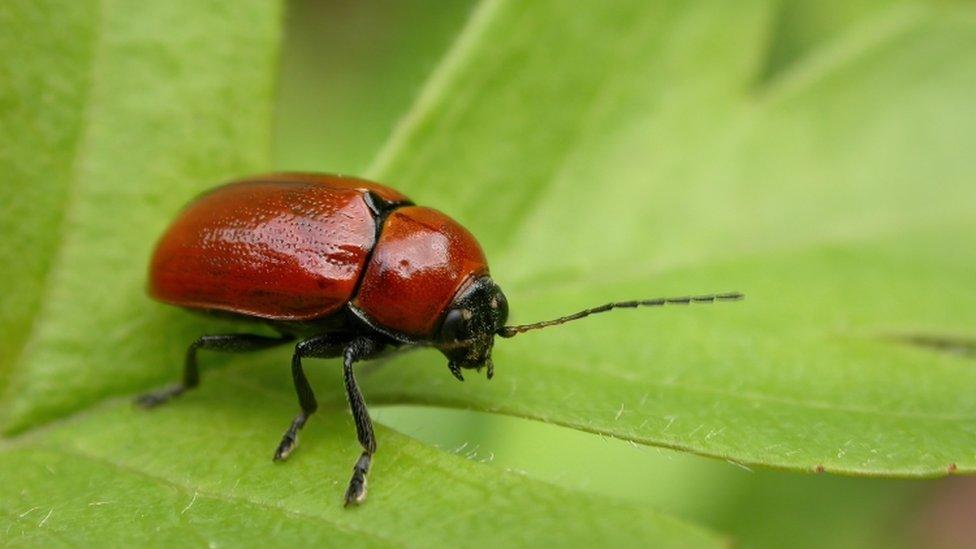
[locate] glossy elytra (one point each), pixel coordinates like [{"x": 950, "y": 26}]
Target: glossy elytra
[{"x": 341, "y": 267}]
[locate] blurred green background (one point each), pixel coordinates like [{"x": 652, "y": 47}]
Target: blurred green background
[{"x": 349, "y": 70}]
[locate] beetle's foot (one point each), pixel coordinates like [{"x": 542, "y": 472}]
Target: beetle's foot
[
  {"x": 155, "y": 398},
  {"x": 455, "y": 370},
  {"x": 356, "y": 493},
  {"x": 285, "y": 447},
  {"x": 290, "y": 440}
]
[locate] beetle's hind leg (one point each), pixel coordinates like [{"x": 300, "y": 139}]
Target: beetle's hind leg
[
  {"x": 324, "y": 346},
  {"x": 226, "y": 343}
]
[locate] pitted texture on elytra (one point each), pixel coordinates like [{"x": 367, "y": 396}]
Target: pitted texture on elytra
[{"x": 288, "y": 249}]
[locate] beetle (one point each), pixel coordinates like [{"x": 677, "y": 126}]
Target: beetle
[{"x": 341, "y": 267}]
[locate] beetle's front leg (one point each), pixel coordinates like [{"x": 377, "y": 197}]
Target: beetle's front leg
[{"x": 359, "y": 349}]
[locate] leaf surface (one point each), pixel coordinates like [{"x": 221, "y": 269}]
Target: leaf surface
[
  {"x": 201, "y": 472},
  {"x": 106, "y": 140},
  {"x": 118, "y": 113},
  {"x": 663, "y": 159},
  {"x": 630, "y": 149}
]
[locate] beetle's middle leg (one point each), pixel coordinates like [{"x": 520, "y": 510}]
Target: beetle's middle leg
[
  {"x": 324, "y": 346},
  {"x": 226, "y": 343}
]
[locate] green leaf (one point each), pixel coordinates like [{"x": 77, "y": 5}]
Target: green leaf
[
  {"x": 609, "y": 151},
  {"x": 756, "y": 507},
  {"x": 664, "y": 158},
  {"x": 159, "y": 103},
  {"x": 201, "y": 472},
  {"x": 114, "y": 114}
]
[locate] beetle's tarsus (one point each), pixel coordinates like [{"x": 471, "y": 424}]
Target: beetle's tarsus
[
  {"x": 290, "y": 439},
  {"x": 356, "y": 493},
  {"x": 160, "y": 396},
  {"x": 285, "y": 448}
]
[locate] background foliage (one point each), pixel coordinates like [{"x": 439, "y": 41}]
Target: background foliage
[{"x": 813, "y": 155}]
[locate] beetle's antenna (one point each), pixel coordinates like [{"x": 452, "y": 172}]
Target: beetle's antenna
[{"x": 512, "y": 331}]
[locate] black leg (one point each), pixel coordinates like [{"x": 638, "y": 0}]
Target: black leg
[
  {"x": 360, "y": 349},
  {"x": 226, "y": 343},
  {"x": 325, "y": 346}
]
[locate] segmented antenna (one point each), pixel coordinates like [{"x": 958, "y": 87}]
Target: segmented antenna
[{"x": 512, "y": 331}]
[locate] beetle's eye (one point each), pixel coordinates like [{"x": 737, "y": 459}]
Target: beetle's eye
[{"x": 456, "y": 326}]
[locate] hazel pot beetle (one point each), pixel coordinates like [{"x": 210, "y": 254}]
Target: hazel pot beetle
[{"x": 341, "y": 267}]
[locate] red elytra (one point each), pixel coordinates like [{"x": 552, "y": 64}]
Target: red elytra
[{"x": 299, "y": 247}]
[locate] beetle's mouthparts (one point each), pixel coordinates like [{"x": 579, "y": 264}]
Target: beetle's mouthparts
[
  {"x": 491, "y": 368},
  {"x": 455, "y": 368}
]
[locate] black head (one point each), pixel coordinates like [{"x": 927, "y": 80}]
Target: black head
[{"x": 468, "y": 331}]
